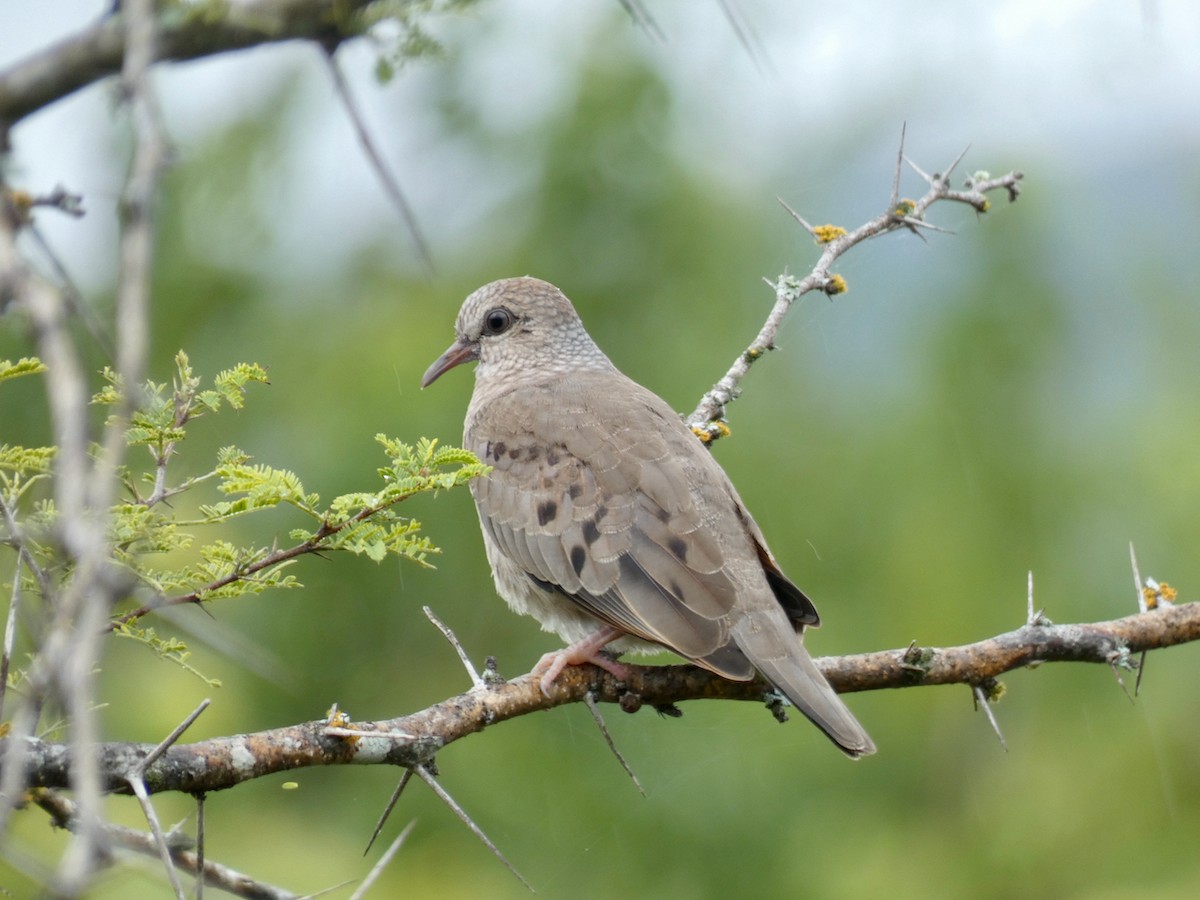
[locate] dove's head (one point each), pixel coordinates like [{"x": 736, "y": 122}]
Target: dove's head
[{"x": 519, "y": 328}]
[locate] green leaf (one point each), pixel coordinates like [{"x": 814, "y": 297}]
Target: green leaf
[
  {"x": 26, "y": 365},
  {"x": 231, "y": 383},
  {"x": 170, "y": 649},
  {"x": 26, "y": 460}
]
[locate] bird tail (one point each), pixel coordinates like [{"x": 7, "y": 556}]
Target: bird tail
[{"x": 794, "y": 673}]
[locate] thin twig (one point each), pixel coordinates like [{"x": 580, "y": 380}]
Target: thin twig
[
  {"x": 200, "y": 839},
  {"x": 10, "y": 631},
  {"x": 137, "y": 781},
  {"x": 390, "y": 185},
  {"x": 18, "y": 540},
  {"x": 747, "y": 38},
  {"x": 96, "y": 328}
]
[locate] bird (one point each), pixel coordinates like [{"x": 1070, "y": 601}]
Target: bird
[{"x": 607, "y": 520}]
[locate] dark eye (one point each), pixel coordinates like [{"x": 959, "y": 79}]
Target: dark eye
[{"x": 497, "y": 321}]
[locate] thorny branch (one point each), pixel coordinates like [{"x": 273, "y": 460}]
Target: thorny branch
[
  {"x": 413, "y": 740},
  {"x": 707, "y": 419}
]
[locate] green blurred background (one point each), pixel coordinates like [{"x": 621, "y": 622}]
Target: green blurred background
[{"x": 1019, "y": 396}]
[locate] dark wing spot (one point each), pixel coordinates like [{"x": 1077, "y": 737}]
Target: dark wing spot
[
  {"x": 575, "y": 490},
  {"x": 498, "y": 450},
  {"x": 678, "y": 548},
  {"x": 590, "y": 532},
  {"x": 661, "y": 514},
  {"x": 552, "y": 457},
  {"x": 514, "y": 453},
  {"x": 601, "y": 512},
  {"x": 578, "y": 558},
  {"x": 676, "y": 590},
  {"x": 546, "y": 511}
]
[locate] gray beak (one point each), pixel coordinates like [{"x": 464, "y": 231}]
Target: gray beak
[{"x": 458, "y": 353}]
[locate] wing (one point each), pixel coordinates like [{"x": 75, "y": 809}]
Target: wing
[{"x": 636, "y": 523}]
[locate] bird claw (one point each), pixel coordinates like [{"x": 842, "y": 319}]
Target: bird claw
[{"x": 588, "y": 650}]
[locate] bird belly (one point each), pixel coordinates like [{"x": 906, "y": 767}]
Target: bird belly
[{"x": 554, "y": 611}]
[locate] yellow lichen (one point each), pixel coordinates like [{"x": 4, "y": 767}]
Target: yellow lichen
[
  {"x": 826, "y": 233},
  {"x": 711, "y": 431},
  {"x": 835, "y": 285},
  {"x": 1156, "y": 594}
]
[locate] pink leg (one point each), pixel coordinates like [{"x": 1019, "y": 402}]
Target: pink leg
[{"x": 585, "y": 651}]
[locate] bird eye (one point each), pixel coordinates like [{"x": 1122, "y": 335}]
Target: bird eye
[{"x": 497, "y": 321}]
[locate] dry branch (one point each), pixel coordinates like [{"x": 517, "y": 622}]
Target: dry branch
[
  {"x": 413, "y": 740},
  {"x": 63, "y": 814},
  {"x": 99, "y": 50}
]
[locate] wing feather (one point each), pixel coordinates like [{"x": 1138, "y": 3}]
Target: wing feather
[{"x": 614, "y": 521}]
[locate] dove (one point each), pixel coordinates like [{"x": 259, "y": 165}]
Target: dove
[{"x": 609, "y": 522}]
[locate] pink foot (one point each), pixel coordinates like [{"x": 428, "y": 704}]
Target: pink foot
[{"x": 579, "y": 653}]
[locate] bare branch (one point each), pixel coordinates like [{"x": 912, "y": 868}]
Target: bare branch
[
  {"x": 706, "y": 419},
  {"x": 98, "y": 51},
  {"x": 63, "y": 813},
  {"x": 413, "y": 740}
]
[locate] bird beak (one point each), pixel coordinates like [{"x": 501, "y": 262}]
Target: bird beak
[{"x": 458, "y": 353}]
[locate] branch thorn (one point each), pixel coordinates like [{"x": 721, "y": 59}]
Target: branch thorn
[
  {"x": 387, "y": 810},
  {"x": 899, "y": 163},
  {"x": 981, "y": 701},
  {"x": 425, "y": 775},
  {"x": 476, "y": 680},
  {"x": 590, "y": 699}
]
